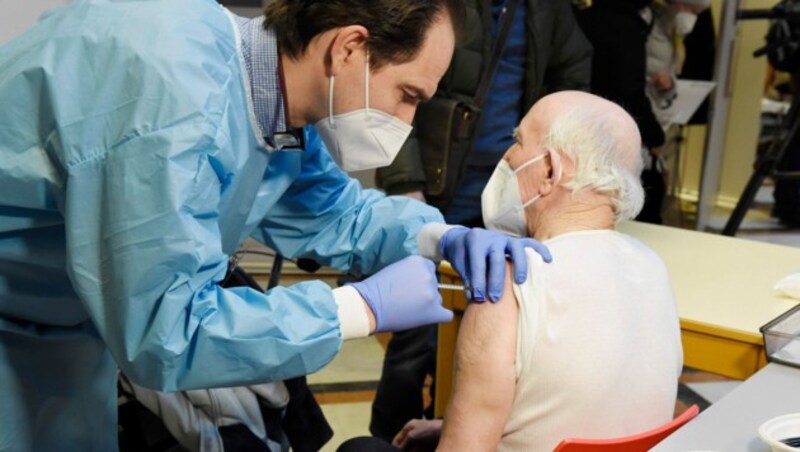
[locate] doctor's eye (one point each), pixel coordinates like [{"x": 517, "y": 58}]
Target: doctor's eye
[{"x": 410, "y": 99}]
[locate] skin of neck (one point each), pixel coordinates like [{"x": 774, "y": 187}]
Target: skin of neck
[
  {"x": 306, "y": 84},
  {"x": 564, "y": 212}
]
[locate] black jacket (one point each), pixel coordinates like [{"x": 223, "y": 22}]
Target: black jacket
[
  {"x": 559, "y": 58},
  {"x": 619, "y": 35}
]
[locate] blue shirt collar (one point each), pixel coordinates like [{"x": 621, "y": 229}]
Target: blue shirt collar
[{"x": 260, "y": 52}]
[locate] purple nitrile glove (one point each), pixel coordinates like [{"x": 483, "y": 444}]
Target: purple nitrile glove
[
  {"x": 469, "y": 250},
  {"x": 404, "y": 295}
]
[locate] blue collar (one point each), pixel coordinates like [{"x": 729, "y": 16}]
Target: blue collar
[{"x": 260, "y": 52}]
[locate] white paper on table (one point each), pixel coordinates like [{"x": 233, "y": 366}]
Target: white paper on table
[
  {"x": 789, "y": 286},
  {"x": 690, "y": 94}
]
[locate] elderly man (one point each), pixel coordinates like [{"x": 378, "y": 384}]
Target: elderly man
[{"x": 590, "y": 345}]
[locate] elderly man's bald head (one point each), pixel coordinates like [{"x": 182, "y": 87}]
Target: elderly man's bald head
[
  {"x": 599, "y": 113},
  {"x": 598, "y": 138}
]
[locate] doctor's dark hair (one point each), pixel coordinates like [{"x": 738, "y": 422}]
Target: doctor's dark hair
[{"x": 397, "y": 28}]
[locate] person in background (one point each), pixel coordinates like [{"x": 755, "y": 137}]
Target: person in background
[
  {"x": 545, "y": 52},
  {"x": 589, "y": 346},
  {"x": 671, "y": 22},
  {"x": 619, "y": 74}
]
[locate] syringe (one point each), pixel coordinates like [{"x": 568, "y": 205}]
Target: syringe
[{"x": 457, "y": 287}]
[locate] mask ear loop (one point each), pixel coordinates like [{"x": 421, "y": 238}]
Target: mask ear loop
[
  {"x": 366, "y": 93},
  {"x": 330, "y": 102},
  {"x": 554, "y": 160},
  {"x": 366, "y": 84},
  {"x": 530, "y": 201},
  {"x": 529, "y": 163}
]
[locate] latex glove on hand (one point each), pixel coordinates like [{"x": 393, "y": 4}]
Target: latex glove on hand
[
  {"x": 404, "y": 295},
  {"x": 469, "y": 250},
  {"x": 419, "y": 435}
]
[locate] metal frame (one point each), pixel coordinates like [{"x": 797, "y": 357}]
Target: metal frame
[{"x": 718, "y": 115}]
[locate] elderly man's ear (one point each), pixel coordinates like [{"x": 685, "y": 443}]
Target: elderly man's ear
[
  {"x": 555, "y": 172},
  {"x": 547, "y": 185}
]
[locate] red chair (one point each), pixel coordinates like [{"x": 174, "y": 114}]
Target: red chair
[{"x": 635, "y": 443}]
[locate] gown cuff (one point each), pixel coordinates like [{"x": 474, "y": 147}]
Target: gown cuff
[
  {"x": 353, "y": 319},
  {"x": 428, "y": 240}
]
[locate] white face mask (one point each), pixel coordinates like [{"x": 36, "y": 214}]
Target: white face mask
[
  {"x": 502, "y": 206},
  {"x": 362, "y": 139},
  {"x": 684, "y": 22}
]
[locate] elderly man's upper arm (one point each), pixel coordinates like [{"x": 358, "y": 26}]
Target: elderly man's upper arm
[{"x": 485, "y": 376}]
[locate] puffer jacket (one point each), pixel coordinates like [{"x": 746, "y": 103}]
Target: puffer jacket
[
  {"x": 619, "y": 34},
  {"x": 559, "y": 58}
]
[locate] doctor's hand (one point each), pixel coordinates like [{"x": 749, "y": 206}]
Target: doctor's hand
[
  {"x": 419, "y": 435},
  {"x": 404, "y": 295},
  {"x": 479, "y": 257}
]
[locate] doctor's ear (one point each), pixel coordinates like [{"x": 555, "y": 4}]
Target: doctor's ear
[{"x": 349, "y": 45}]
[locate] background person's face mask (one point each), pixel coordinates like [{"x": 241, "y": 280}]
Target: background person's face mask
[
  {"x": 501, "y": 204},
  {"x": 684, "y": 22},
  {"x": 362, "y": 139}
]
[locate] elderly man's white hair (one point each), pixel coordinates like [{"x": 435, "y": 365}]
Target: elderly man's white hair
[{"x": 604, "y": 143}]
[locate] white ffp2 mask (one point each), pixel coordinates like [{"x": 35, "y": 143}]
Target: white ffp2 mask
[
  {"x": 684, "y": 22},
  {"x": 362, "y": 139},
  {"x": 501, "y": 204}
]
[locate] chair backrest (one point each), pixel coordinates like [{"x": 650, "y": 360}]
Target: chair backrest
[{"x": 641, "y": 442}]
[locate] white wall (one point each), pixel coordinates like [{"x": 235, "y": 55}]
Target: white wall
[{"x": 17, "y": 16}]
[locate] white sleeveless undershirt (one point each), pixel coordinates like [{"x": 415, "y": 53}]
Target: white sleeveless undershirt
[{"x": 598, "y": 346}]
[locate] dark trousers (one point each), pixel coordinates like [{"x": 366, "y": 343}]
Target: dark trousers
[
  {"x": 410, "y": 357},
  {"x": 654, "y": 192}
]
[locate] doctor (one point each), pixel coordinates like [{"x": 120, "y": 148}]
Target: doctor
[{"x": 141, "y": 142}]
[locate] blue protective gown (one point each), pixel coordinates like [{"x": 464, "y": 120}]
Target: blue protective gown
[{"x": 129, "y": 171}]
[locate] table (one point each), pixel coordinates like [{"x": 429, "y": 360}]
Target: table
[
  {"x": 723, "y": 289},
  {"x": 731, "y": 424}
]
